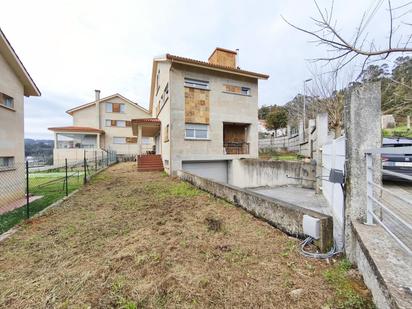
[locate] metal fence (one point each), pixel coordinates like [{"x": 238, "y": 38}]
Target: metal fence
[
  {"x": 26, "y": 189},
  {"x": 385, "y": 207}
]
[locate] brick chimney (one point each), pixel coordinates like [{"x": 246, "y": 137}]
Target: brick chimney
[
  {"x": 224, "y": 57},
  {"x": 97, "y": 95}
]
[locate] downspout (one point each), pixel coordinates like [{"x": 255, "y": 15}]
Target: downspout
[
  {"x": 170, "y": 122},
  {"x": 97, "y": 100}
]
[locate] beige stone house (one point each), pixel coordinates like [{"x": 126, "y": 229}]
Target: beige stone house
[
  {"x": 98, "y": 126},
  {"x": 203, "y": 114},
  {"x": 15, "y": 84}
]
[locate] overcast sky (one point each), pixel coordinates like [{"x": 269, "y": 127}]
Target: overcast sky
[{"x": 72, "y": 47}]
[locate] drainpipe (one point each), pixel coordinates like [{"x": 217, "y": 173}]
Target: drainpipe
[{"x": 97, "y": 100}]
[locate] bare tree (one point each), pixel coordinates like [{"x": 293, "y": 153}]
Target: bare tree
[
  {"x": 345, "y": 50},
  {"x": 327, "y": 99}
]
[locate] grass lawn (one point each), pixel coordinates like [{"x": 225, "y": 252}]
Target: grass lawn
[
  {"x": 145, "y": 240},
  {"x": 276, "y": 155},
  {"x": 48, "y": 185},
  {"x": 401, "y": 131}
]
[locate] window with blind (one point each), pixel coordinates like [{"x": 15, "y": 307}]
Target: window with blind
[
  {"x": 115, "y": 108},
  {"x": 118, "y": 123}
]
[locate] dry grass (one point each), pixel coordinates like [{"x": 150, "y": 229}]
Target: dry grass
[{"x": 132, "y": 240}]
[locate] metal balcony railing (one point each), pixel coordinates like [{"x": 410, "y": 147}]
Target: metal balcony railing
[{"x": 236, "y": 148}]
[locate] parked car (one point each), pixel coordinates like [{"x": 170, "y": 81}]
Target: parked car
[{"x": 399, "y": 163}]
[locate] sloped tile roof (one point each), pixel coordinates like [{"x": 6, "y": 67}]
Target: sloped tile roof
[{"x": 77, "y": 129}]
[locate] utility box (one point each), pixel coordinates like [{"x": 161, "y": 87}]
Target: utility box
[
  {"x": 311, "y": 226},
  {"x": 336, "y": 176}
]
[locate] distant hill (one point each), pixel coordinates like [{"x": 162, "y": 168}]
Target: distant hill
[{"x": 38, "y": 147}]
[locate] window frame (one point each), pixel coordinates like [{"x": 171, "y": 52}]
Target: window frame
[
  {"x": 196, "y": 83},
  {"x": 117, "y": 137},
  {"x": 247, "y": 89},
  {"x": 122, "y": 108},
  {"x": 119, "y": 126},
  {"x": 196, "y": 127},
  {"x": 8, "y": 167},
  {"x": 6, "y": 98}
]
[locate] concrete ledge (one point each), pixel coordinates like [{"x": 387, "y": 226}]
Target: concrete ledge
[
  {"x": 282, "y": 215},
  {"x": 385, "y": 267}
]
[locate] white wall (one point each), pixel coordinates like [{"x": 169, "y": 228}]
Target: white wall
[
  {"x": 333, "y": 157},
  {"x": 12, "y": 184}
]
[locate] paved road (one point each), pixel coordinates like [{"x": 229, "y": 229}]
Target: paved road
[{"x": 400, "y": 206}]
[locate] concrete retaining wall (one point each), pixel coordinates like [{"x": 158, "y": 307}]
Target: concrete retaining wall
[
  {"x": 281, "y": 215},
  {"x": 249, "y": 173}
]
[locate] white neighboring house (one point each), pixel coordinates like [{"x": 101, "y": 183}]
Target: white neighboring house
[
  {"x": 101, "y": 125},
  {"x": 15, "y": 84}
]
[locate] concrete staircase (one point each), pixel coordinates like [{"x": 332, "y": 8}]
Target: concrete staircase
[{"x": 149, "y": 163}]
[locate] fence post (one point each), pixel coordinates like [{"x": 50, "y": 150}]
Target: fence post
[
  {"x": 84, "y": 167},
  {"x": 95, "y": 160},
  {"x": 107, "y": 159},
  {"x": 27, "y": 191},
  {"x": 67, "y": 179},
  {"x": 369, "y": 189}
]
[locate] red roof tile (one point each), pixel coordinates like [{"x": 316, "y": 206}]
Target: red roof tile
[
  {"x": 77, "y": 129},
  {"x": 212, "y": 65},
  {"x": 144, "y": 120}
]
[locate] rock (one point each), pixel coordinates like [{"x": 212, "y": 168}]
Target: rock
[{"x": 296, "y": 294}]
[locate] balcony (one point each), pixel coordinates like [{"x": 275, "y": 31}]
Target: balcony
[
  {"x": 234, "y": 148},
  {"x": 235, "y": 137}
]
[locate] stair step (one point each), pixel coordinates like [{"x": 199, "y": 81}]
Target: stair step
[{"x": 149, "y": 163}]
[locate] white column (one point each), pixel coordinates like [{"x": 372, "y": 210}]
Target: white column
[
  {"x": 98, "y": 141},
  {"x": 55, "y": 140},
  {"x": 139, "y": 139}
]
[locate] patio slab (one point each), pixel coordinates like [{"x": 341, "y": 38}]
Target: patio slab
[{"x": 17, "y": 204}]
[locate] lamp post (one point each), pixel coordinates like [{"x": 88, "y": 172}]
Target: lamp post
[{"x": 304, "y": 102}]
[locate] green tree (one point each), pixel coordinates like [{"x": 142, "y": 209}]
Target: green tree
[{"x": 277, "y": 119}]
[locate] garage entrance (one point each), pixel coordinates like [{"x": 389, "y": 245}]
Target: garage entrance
[{"x": 216, "y": 170}]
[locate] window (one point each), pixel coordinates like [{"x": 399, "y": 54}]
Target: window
[
  {"x": 237, "y": 89},
  {"x": 117, "y": 123},
  {"x": 197, "y": 131},
  {"x": 119, "y": 140},
  {"x": 6, "y": 163},
  {"x": 157, "y": 82},
  {"x": 115, "y": 108},
  {"x": 166, "y": 134},
  {"x": 131, "y": 140},
  {"x": 8, "y": 101},
  {"x": 245, "y": 91},
  {"x": 121, "y": 123},
  {"x": 146, "y": 140},
  {"x": 194, "y": 83}
]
